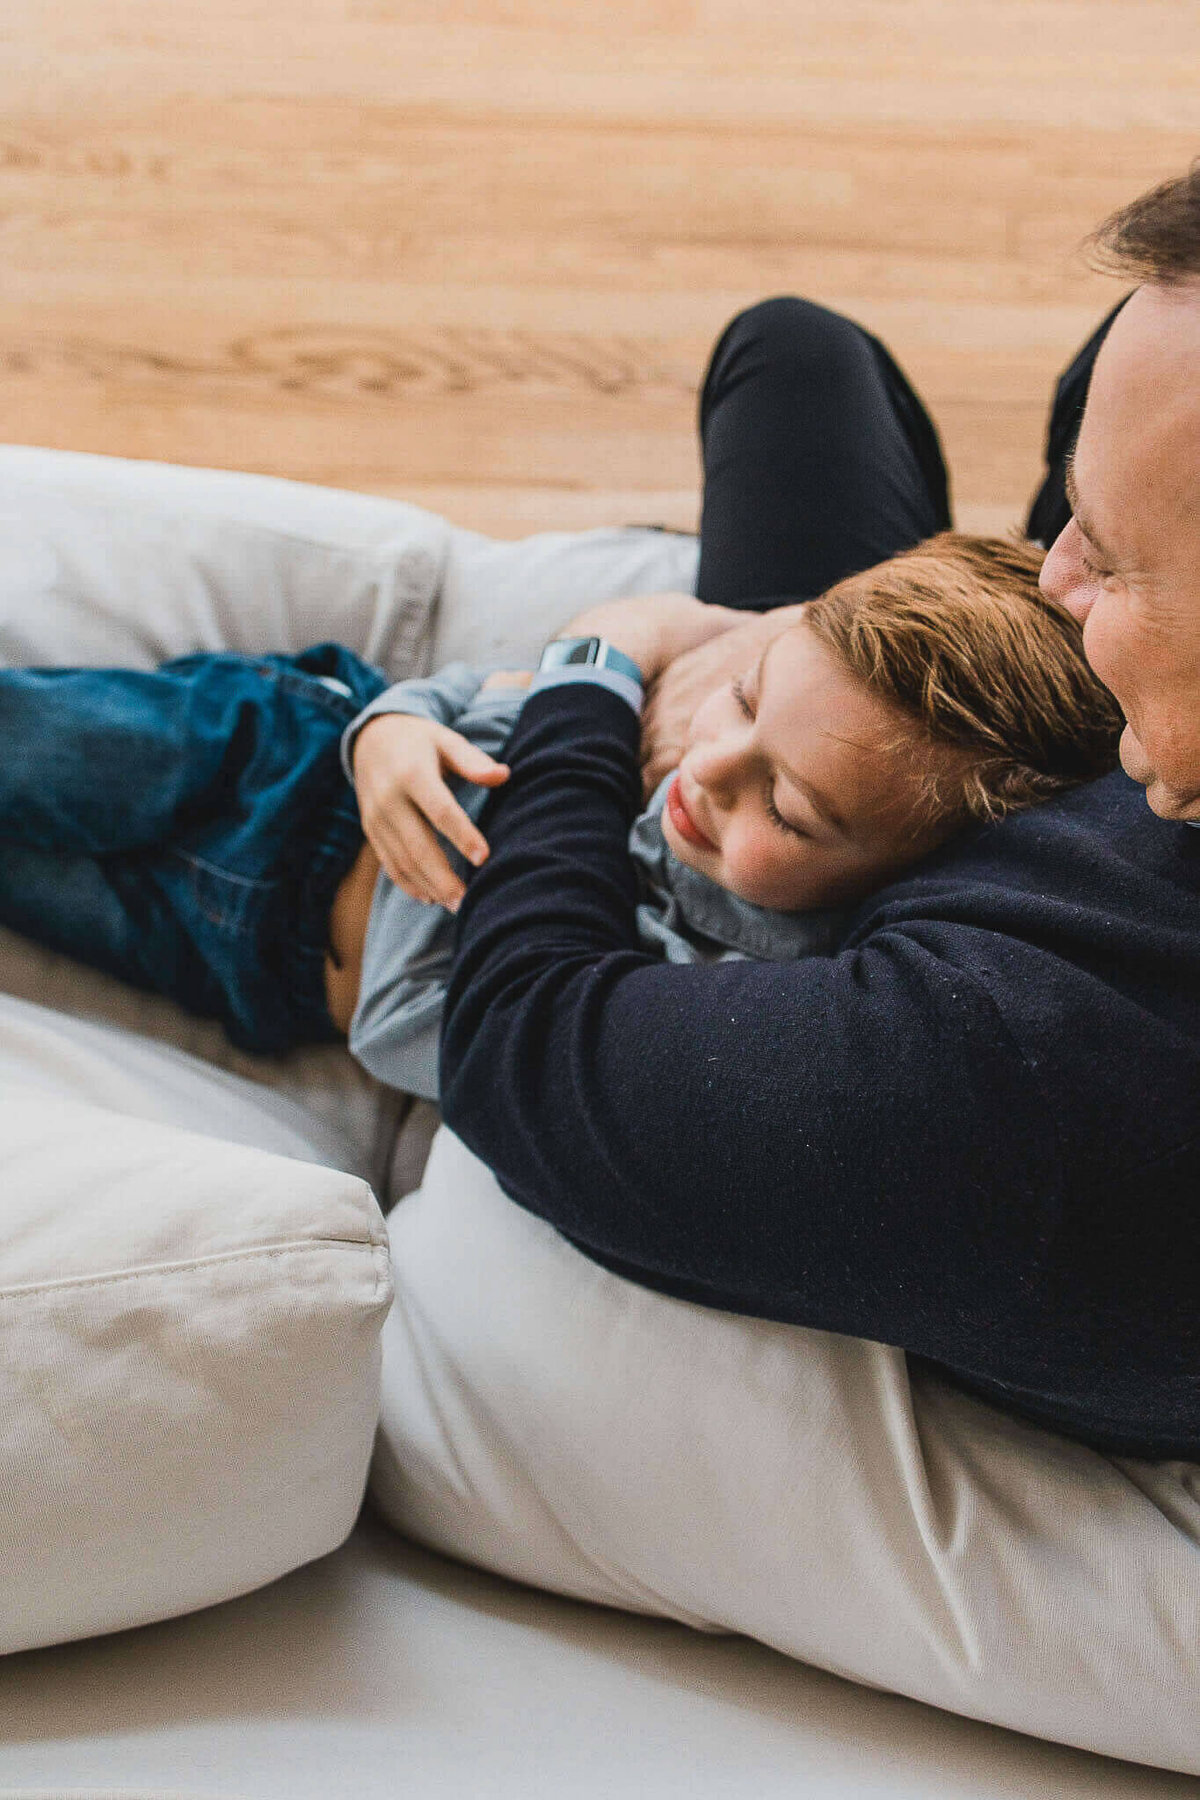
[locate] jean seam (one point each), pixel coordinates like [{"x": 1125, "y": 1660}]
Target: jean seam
[
  {"x": 313, "y": 690},
  {"x": 249, "y": 882}
]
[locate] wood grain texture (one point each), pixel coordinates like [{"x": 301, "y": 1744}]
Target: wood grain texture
[{"x": 478, "y": 255}]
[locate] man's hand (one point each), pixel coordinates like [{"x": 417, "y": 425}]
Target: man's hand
[
  {"x": 692, "y": 677},
  {"x": 653, "y": 628},
  {"x": 400, "y": 764}
]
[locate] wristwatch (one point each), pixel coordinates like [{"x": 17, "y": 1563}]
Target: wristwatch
[{"x": 594, "y": 651}]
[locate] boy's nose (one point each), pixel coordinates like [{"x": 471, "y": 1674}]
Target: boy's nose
[{"x": 717, "y": 765}]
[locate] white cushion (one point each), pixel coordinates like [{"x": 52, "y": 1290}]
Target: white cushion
[
  {"x": 146, "y": 1077},
  {"x": 500, "y": 600},
  {"x": 385, "y": 1672},
  {"x": 82, "y": 1034},
  {"x": 107, "y": 561},
  {"x": 189, "y": 1345},
  {"x": 557, "y": 1424}
]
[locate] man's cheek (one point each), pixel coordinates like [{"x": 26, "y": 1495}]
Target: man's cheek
[
  {"x": 1102, "y": 647},
  {"x": 1169, "y": 771},
  {"x": 1134, "y": 760},
  {"x": 1173, "y": 803}
]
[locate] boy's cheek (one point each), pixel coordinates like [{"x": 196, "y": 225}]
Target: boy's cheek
[{"x": 767, "y": 880}]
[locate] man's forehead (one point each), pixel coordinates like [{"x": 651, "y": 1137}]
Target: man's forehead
[
  {"x": 1137, "y": 456},
  {"x": 1150, "y": 361}
]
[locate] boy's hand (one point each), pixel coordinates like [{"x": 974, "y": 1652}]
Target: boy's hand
[{"x": 400, "y": 764}]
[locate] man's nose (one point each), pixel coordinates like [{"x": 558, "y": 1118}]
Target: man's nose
[{"x": 1063, "y": 576}]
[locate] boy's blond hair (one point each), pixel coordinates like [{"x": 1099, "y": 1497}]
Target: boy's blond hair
[{"x": 956, "y": 634}]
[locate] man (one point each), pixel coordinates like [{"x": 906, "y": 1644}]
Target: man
[
  {"x": 1127, "y": 563},
  {"x": 840, "y": 1205}
]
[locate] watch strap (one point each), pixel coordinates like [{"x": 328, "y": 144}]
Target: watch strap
[{"x": 590, "y": 652}]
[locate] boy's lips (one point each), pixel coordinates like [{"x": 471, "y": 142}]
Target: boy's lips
[{"x": 682, "y": 819}]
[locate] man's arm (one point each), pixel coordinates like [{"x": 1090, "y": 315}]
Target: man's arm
[
  {"x": 830, "y": 1142},
  {"x": 974, "y": 1133}
]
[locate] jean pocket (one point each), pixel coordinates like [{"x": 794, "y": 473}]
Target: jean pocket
[{"x": 228, "y": 903}]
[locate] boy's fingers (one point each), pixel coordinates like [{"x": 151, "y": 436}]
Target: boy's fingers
[
  {"x": 396, "y": 859},
  {"x": 424, "y": 853},
  {"x": 405, "y": 875},
  {"x": 398, "y": 851},
  {"x": 397, "y": 867},
  {"x": 445, "y": 815},
  {"x": 465, "y": 759}
]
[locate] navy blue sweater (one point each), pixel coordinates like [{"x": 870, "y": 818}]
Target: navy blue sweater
[{"x": 974, "y": 1133}]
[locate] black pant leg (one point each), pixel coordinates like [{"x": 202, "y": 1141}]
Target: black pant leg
[
  {"x": 1049, "y": 512},
  {"x": 819, "y": 459}
]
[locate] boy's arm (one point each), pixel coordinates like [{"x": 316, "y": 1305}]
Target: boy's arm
[
  {"x": 442, "y": 698},
  {"x": 421, "y": 731}
]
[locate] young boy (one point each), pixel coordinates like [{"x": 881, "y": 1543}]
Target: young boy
[
  {"x": 191, "y": 830},
  {"x": 936, "y": 690}
]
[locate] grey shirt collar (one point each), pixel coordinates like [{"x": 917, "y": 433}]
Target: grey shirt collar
[{"x": 678, "y": 898}]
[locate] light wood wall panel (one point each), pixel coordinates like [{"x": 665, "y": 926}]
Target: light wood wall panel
[{"x": 477, "y": 255}]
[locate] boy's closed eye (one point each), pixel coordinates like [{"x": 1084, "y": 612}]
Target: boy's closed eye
[{"x": 770, "y": 801}]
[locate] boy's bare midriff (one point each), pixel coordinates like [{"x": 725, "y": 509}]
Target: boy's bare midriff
[{"x": 347, "y": 935}]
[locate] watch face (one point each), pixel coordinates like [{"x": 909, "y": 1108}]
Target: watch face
[{"x": 582, "y": 652}]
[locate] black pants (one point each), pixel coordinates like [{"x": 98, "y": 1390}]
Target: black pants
[{"x": 820, "y": 460}]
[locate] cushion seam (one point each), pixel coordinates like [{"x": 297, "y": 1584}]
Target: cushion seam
[{"x": 19, "y": 1290}]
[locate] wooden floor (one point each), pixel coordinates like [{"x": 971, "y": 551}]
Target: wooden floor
[{"x": 475, "y": 251}]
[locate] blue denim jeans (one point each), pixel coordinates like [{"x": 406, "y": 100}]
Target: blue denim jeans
[{"x": 186, "y": 830}]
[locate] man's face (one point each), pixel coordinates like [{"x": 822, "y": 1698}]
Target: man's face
[{"x": 1128, "y": 564}]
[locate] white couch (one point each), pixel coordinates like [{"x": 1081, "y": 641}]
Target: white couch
[{"x": 207, "y": 1446}]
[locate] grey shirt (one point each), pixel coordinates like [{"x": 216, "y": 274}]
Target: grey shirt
[{"x": 682, "y": 916}]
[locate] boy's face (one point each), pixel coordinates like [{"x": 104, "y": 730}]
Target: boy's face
[{"x": 798, "y": 787}]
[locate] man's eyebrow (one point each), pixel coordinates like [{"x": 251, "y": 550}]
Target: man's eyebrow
[
  {"x": 1081, "y": 519},
  {"x": 816, "y": 799}
]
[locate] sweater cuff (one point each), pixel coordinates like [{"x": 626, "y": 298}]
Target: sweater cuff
[{"x": 629, "y": 690}]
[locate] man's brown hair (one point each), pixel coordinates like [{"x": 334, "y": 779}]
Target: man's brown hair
[
  {"x": 956, "y": 634},
  {"x": 1155, "y": 238}
]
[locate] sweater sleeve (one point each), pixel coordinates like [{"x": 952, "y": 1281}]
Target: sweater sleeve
[{"x": 829, "y": 1141}]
